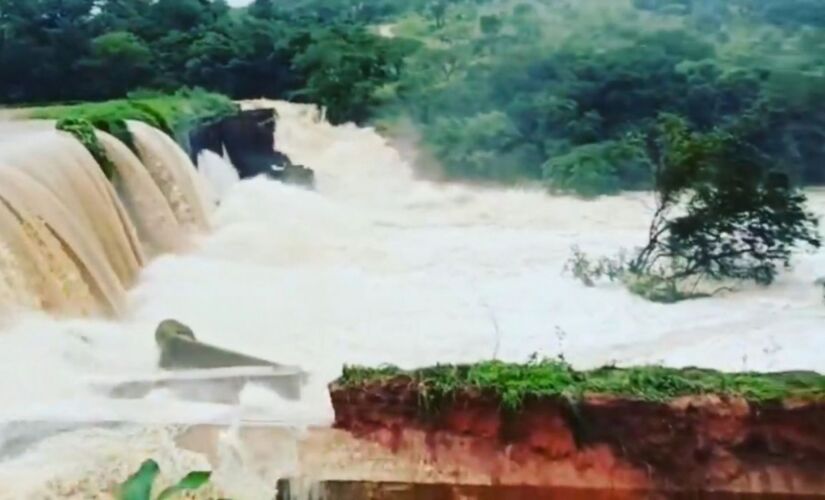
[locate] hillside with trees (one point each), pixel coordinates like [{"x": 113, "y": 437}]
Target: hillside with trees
[{"x": 551, "y": 91}]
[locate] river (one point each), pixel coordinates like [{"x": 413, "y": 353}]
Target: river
[{"x": 375, "y": 267}]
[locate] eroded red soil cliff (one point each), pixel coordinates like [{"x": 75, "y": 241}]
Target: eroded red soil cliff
[{"x": 702, "y": 443}]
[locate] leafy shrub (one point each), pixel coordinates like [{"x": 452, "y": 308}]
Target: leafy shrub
[
  {"x": 652, "y": 286},
  {"x": 661, "y": 289},
  {"x": 596, "y": 169},
  {"x": 481, "y": 146},
  {"x": 590, "y": 271},
  {"x": 139, "y": 485}
]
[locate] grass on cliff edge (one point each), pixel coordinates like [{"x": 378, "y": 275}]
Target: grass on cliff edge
[
  {"x": 168, "y": 112},
  {"x": 542, "y": 378},
  {"x": 171, "y": 113}
]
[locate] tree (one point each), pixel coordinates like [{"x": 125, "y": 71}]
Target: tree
[
  {"x": 262, "y": 9},
  {"x": 43, "y": 41},
  {"x": 527, "y": 21},
  {"x": 210, "y": 61},
  {"x": 476, "y": 146},
  {"x": 490, "y": 25},
  {"x": 344, "y": 68},
  {"x": 438, "y": 11},
  {"x": 722, "y": 212},
  {"x": 181, "y": 15},
  {"x": 122, "y": 56},
  {"x": 598, "y": 168}
]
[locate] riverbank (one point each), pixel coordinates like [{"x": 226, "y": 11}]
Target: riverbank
[
  {"x": 646, "y": 429},
  {"x": 374, "y": 267}
]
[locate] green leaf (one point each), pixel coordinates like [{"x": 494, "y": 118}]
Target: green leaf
[
  {"x": 139, "y": 484},
  {"x": 192, "y": 481}
]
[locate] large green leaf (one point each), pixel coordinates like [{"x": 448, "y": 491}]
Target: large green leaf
[
  {"x": 192, "y": 481},
  {"x": 139, "y": 484}
]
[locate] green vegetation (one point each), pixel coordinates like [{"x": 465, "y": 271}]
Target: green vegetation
[
  {"x": 171, "y": 113},
  {"x": 716, "y": 105},
  {"x": 174, "y": 114},
  {"x": 93, "y": 50},
  {"x": 722, "y": 213},
  {"x": 514, "y": 383},
  {"x": 740, "y": 218},
  {"x": 556, "y": 91},
  {"x": 139, "y": 485},
  {"x": 84, "y": 131},
  {"x": 548, "y": 91}
]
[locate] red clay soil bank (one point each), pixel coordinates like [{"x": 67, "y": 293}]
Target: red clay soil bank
[{"x": 691, "y": 444}]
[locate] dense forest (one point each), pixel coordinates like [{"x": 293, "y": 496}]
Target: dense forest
[{"x": 557, "y": 91}]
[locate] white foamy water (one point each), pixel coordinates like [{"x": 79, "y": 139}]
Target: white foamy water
[{"x": 375, "y": 267}]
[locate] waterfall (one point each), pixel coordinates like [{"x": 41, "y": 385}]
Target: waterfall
[
  {"x": 72, "y": 241},
  {"x": 172, "y": 171},
  {"x": 374, "y": 267},
  {"x": 218, "y": 173},
  {"x": 156, "y": 223}
]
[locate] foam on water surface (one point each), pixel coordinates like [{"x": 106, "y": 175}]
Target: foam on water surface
[{"x": 378, "y": 267}]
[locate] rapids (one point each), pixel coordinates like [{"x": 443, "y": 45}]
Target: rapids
[{"x": 375, "y": 267}]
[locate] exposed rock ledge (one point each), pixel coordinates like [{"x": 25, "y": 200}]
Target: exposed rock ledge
[
  {"x": 687, "y": 444},
  {"x": 247, "y": 137}
]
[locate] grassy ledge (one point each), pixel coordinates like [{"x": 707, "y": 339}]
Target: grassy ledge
[
  {"x": 513, "y": 383},
  {"x": 171, "y": 113},
  {"x": 174, "y": 114}
]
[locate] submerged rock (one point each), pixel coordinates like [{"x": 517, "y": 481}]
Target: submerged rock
[
  {"x": 202, "y": 372},
  {"x": 179, "y": 349}
]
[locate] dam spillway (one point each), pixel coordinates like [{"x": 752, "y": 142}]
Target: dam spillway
[{"x": 71, "y": 235}]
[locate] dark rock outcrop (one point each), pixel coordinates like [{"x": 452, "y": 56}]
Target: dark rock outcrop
[{"x": 249, "y": 141}]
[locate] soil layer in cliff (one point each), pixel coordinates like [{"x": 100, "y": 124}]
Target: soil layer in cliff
[{"x": 543, "y": 424}]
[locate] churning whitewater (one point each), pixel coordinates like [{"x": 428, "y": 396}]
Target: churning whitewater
[{"x": 375, "y": 267}]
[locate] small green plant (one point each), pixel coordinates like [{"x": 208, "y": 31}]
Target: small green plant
[
  {"x": 661, "y": 289},
  {"x": 84, "y": 131},
  {"x": 653, "y": 285},
  {"x": 139, "y": 485},
  {"x": 590, "y": 271}
]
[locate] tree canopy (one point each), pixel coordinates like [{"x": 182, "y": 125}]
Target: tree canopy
[
  {"x": 739, "y": 218},
  {"x": 505, "y": 90}
]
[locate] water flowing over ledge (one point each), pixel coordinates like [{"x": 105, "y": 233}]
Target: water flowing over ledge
[
  {"x": 71, "y": 237},
  {"x": 375, "y": 267}
]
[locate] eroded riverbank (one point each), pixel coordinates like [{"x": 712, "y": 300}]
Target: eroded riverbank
[{"x": 375, "y": 267}]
